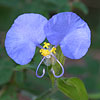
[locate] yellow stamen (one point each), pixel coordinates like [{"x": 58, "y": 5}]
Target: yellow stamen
[
  {"x": 46, "y": 45},
  {"x": 53, "y": 50},
  {"x": 44, "y": 52},
  {"x": 47, "y": 52}
]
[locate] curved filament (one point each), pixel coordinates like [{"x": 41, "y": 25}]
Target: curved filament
[
  {"x": 61, "y": 67},
  {"x": 38, "y": 69}
]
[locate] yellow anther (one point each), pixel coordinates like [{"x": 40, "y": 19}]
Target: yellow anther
[
  {"x": 41, "y": 50},
  {"x": 44, "y": 52},
  {"x": 53, "y": 50},
  {"x": 46, "y": 45}
]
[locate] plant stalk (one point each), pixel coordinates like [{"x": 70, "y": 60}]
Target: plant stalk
[{"x": 46, "y": 94}]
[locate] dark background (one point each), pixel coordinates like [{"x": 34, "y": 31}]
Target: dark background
[{"x": 23, "y": 85}]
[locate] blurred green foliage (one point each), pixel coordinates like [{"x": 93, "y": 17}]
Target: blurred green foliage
[{"x": 16, "y": 80}]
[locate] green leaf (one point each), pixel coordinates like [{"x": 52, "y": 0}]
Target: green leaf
[
  {"x": 81, "y": 6},
  {"x": 73, "y": 88},
  {"x": 6, "y": 70}
]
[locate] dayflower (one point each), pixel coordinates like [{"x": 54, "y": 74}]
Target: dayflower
[{"x": 29, "y": 30}]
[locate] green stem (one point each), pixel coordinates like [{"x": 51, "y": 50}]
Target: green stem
[
  {"x": 94, "y": 96},
  {"x": 46, "y": 94}
]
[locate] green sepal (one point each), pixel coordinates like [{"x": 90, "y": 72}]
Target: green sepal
[{"x": 55, "y": 65}]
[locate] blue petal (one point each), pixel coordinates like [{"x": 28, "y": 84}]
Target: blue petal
[
  {"x": 71, "y": 32},
  {"x": 23, "y": 36}
]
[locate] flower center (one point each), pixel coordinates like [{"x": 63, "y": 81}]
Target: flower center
[{"x": 47, "y": 51}]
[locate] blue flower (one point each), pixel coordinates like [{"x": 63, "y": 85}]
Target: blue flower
[{"x": 65, "y": 29}]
